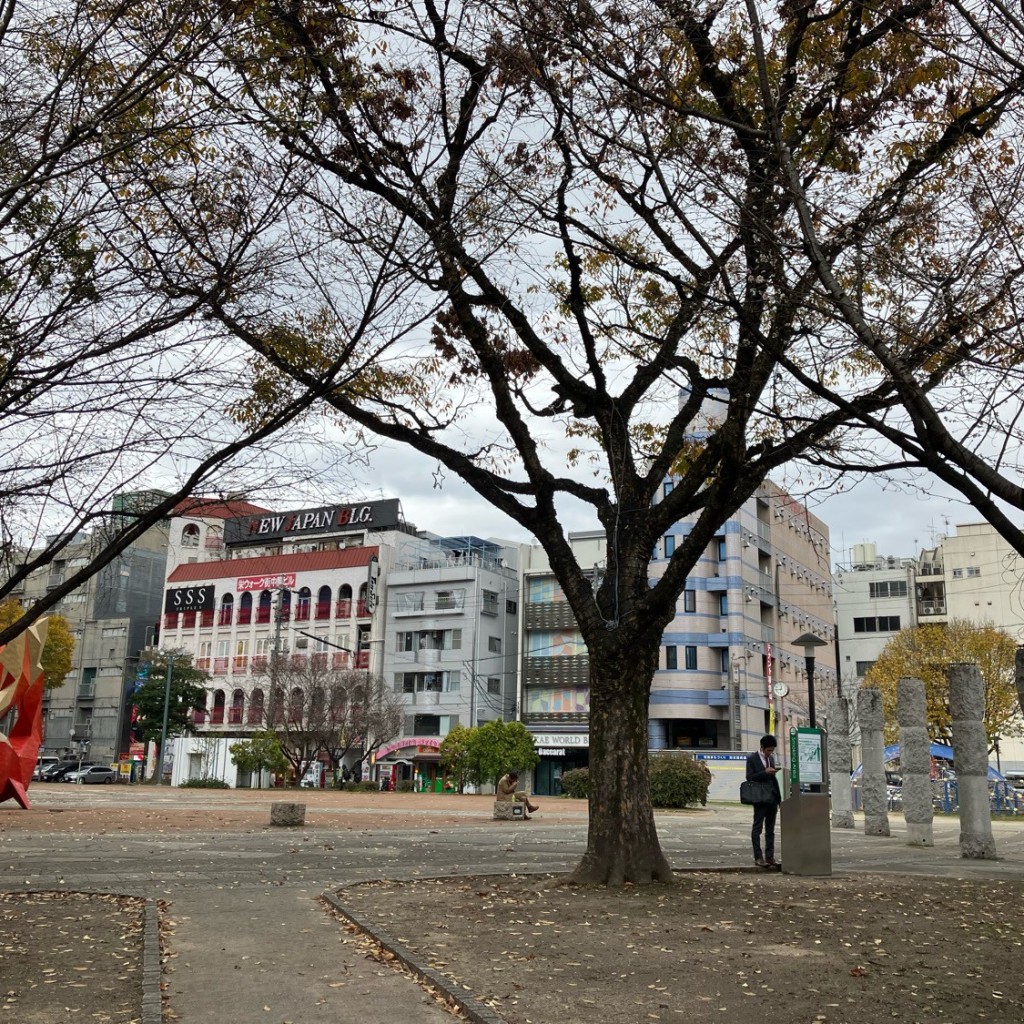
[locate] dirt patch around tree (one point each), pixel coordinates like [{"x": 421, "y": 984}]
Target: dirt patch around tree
[
  {"x": 70, "y": 957},
  {"x": 717, "y": 946}
]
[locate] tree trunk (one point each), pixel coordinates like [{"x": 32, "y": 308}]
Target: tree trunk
[{"x": 622, "y": 842}]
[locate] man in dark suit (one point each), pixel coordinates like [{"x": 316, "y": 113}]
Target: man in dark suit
[{"x": 761, "y": 768}]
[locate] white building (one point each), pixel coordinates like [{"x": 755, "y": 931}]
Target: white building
[{"x": 350, "y": 587}]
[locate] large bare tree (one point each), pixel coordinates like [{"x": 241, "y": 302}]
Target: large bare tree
[
  {"x": 646, "y": 235},
  {"x": 108, "y": 384}
]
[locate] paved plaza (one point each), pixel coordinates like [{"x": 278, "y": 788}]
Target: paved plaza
[{"x": 250, "y": 939}]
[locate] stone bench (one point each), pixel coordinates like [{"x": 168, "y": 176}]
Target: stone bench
[
  {"x": 288, "y": 814},
  {"x": 509, "y": 810}
]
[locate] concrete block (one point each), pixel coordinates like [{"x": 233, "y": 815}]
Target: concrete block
[
  {"x": 509, "y": 810},
  {"x": 287, "y": 814}
]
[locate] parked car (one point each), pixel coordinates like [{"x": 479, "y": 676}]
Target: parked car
[
  {"x": 56, "y": 772},
  {"x": 44, "y": 762},
  {"x": 94, "y": 774}
]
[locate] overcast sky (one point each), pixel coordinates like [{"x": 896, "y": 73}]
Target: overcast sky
[{"x": 900, "y": 521}]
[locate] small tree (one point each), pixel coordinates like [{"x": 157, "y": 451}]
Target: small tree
[
  {"x": 926, "y": 651},
  {"x": 454, "y": 751},
  {"x": 314, "y": 709},
  {"x": 187, "y": 691},
  {"x": 496, "y": 747},
  {"x": 260, "y": 753}
]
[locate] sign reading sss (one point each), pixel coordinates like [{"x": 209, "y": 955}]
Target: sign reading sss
[{"x": 190, "y": 599}]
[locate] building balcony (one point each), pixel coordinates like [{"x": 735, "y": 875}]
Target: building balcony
[
  {"x": 171, "y": 620},
  {"x": 323, "y": 610},
  {"x": 245, "y": 616},
  {"x": 363, "y": 659},
  {"x": 203, "y": 664},
  {"x": 188, "y": 620},
  {"x": 302, "y": 613},
  {"x": 343, "y": 609},
  {"x": 717, "y": 584},
  {"x": 224, "y": 617},
  {"x": 240, "y": 664},
  {"x": 234, "y": 716},
  {"x": 263, "y": 614},
  {"x": 931, "y": 608},
  {"x": 86, "y": 691},
  {"x": 340, "y": 659},
  {"x": 206, "y": 618},
  {"x": 220, "y": 666},
  {"x": 217, "y": 716},
  {"x": 318, "y": 659},
  {"x": 361, "y": 612}
]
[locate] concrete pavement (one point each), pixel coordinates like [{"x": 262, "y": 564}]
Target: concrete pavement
[{"x": 250, "y": 940}]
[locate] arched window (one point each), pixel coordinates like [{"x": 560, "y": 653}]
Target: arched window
[
  {"x": 302, "y": 605},
  {"x": 323, "y": 603},
  {"x": 227, "y": 606},
  {"x": 245, "y": 609},
  {"x": 286, "y": 605},
  {"x": 277, "y": 706},
  {"x": 255, "y": 715},
  {"x": 265, "y": 606},
  {"x": 344, "y": 602},
  {"x": 295, "y": 706},
  {"x": 317, "y": 706},
  {"x": 190, "y": 536},
  {"x": 237, "y": 706},
  {"x": 217, "y": 718}
]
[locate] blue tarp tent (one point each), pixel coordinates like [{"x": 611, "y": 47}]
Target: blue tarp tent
[{"x": 937, "y": 750}]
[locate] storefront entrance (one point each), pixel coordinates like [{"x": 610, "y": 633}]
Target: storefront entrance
[{"x": 547, "y": 776}]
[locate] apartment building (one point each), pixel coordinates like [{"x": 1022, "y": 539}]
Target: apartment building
[{"x": 763, "y": 582}]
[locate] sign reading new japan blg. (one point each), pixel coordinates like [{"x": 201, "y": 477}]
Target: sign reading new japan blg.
[{"x": 378, "y": 515}]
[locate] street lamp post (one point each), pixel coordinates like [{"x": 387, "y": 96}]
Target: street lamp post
[
  {"x": 808, "y": 641},
  {"x": 163, "y": 728}
]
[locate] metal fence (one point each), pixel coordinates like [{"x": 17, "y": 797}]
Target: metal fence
[{"x": 1004, "y": 799}]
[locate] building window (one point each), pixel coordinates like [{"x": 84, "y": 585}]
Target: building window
[
  {"x": 973, "y": 570},
  {"x": 411, "y": 601},
  {"x": 877, "y": 624},
  {"x": 449, "y": 600},
  {"x": 862, "y": 668},
  {"x": 891, "y": 588},
  {"x": 671, "y": 659},
  {"x": 691, "y": 657},
  {"x": 958, "y": 574},
  {"x": 490, "y": 603},
  {"x": 427, "y": 682},
  {"x": 494, "y": 644},
  {"x": 723, "y": 604},
  {"x": 725, "y": 659},
  {"x": 666, "y": 488},
  {"x": 493, "y": 684},
  {"x": 429, "y": 640},
  {"x": 670, "y": 546},
  {"x": 720, "y": 544},
  {"x": 689, "y": 601},
  {"x": 511, "y": 607}
]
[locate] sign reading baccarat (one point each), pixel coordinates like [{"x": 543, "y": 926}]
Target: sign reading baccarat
[{"x": 271, "y": 582}]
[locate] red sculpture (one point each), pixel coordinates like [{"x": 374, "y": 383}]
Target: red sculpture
[{"x": 21, "y": 691}]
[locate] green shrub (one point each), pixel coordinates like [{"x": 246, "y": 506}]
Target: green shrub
[
  {"x": 203, "y": 784},
  {"x": 677, "y": 780},
  {"x": 576, "y": 783},
  {"x": 362, "y": 787},
  {"x": 405, "y": 786}
]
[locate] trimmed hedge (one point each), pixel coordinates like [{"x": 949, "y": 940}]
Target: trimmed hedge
[
  {"x": 677, "y": 780},
  {"x": 203, "y": 784},
  {"x": 405, "y": 786},
  {"x": 362, "y": 787},
  {"x": 576, "y": 783}
]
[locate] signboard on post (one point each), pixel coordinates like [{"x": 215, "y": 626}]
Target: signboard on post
[{"x": 806, "y": 756}]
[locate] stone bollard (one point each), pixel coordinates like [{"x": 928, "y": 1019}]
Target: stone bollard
[
  {"x": 872, "y": 777},
  {"x": 970, "y": 756},
  {"x": 838, "y": 709},
  {"x": 287, "y": 814},
  {"x": 915, "y": 760}
]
